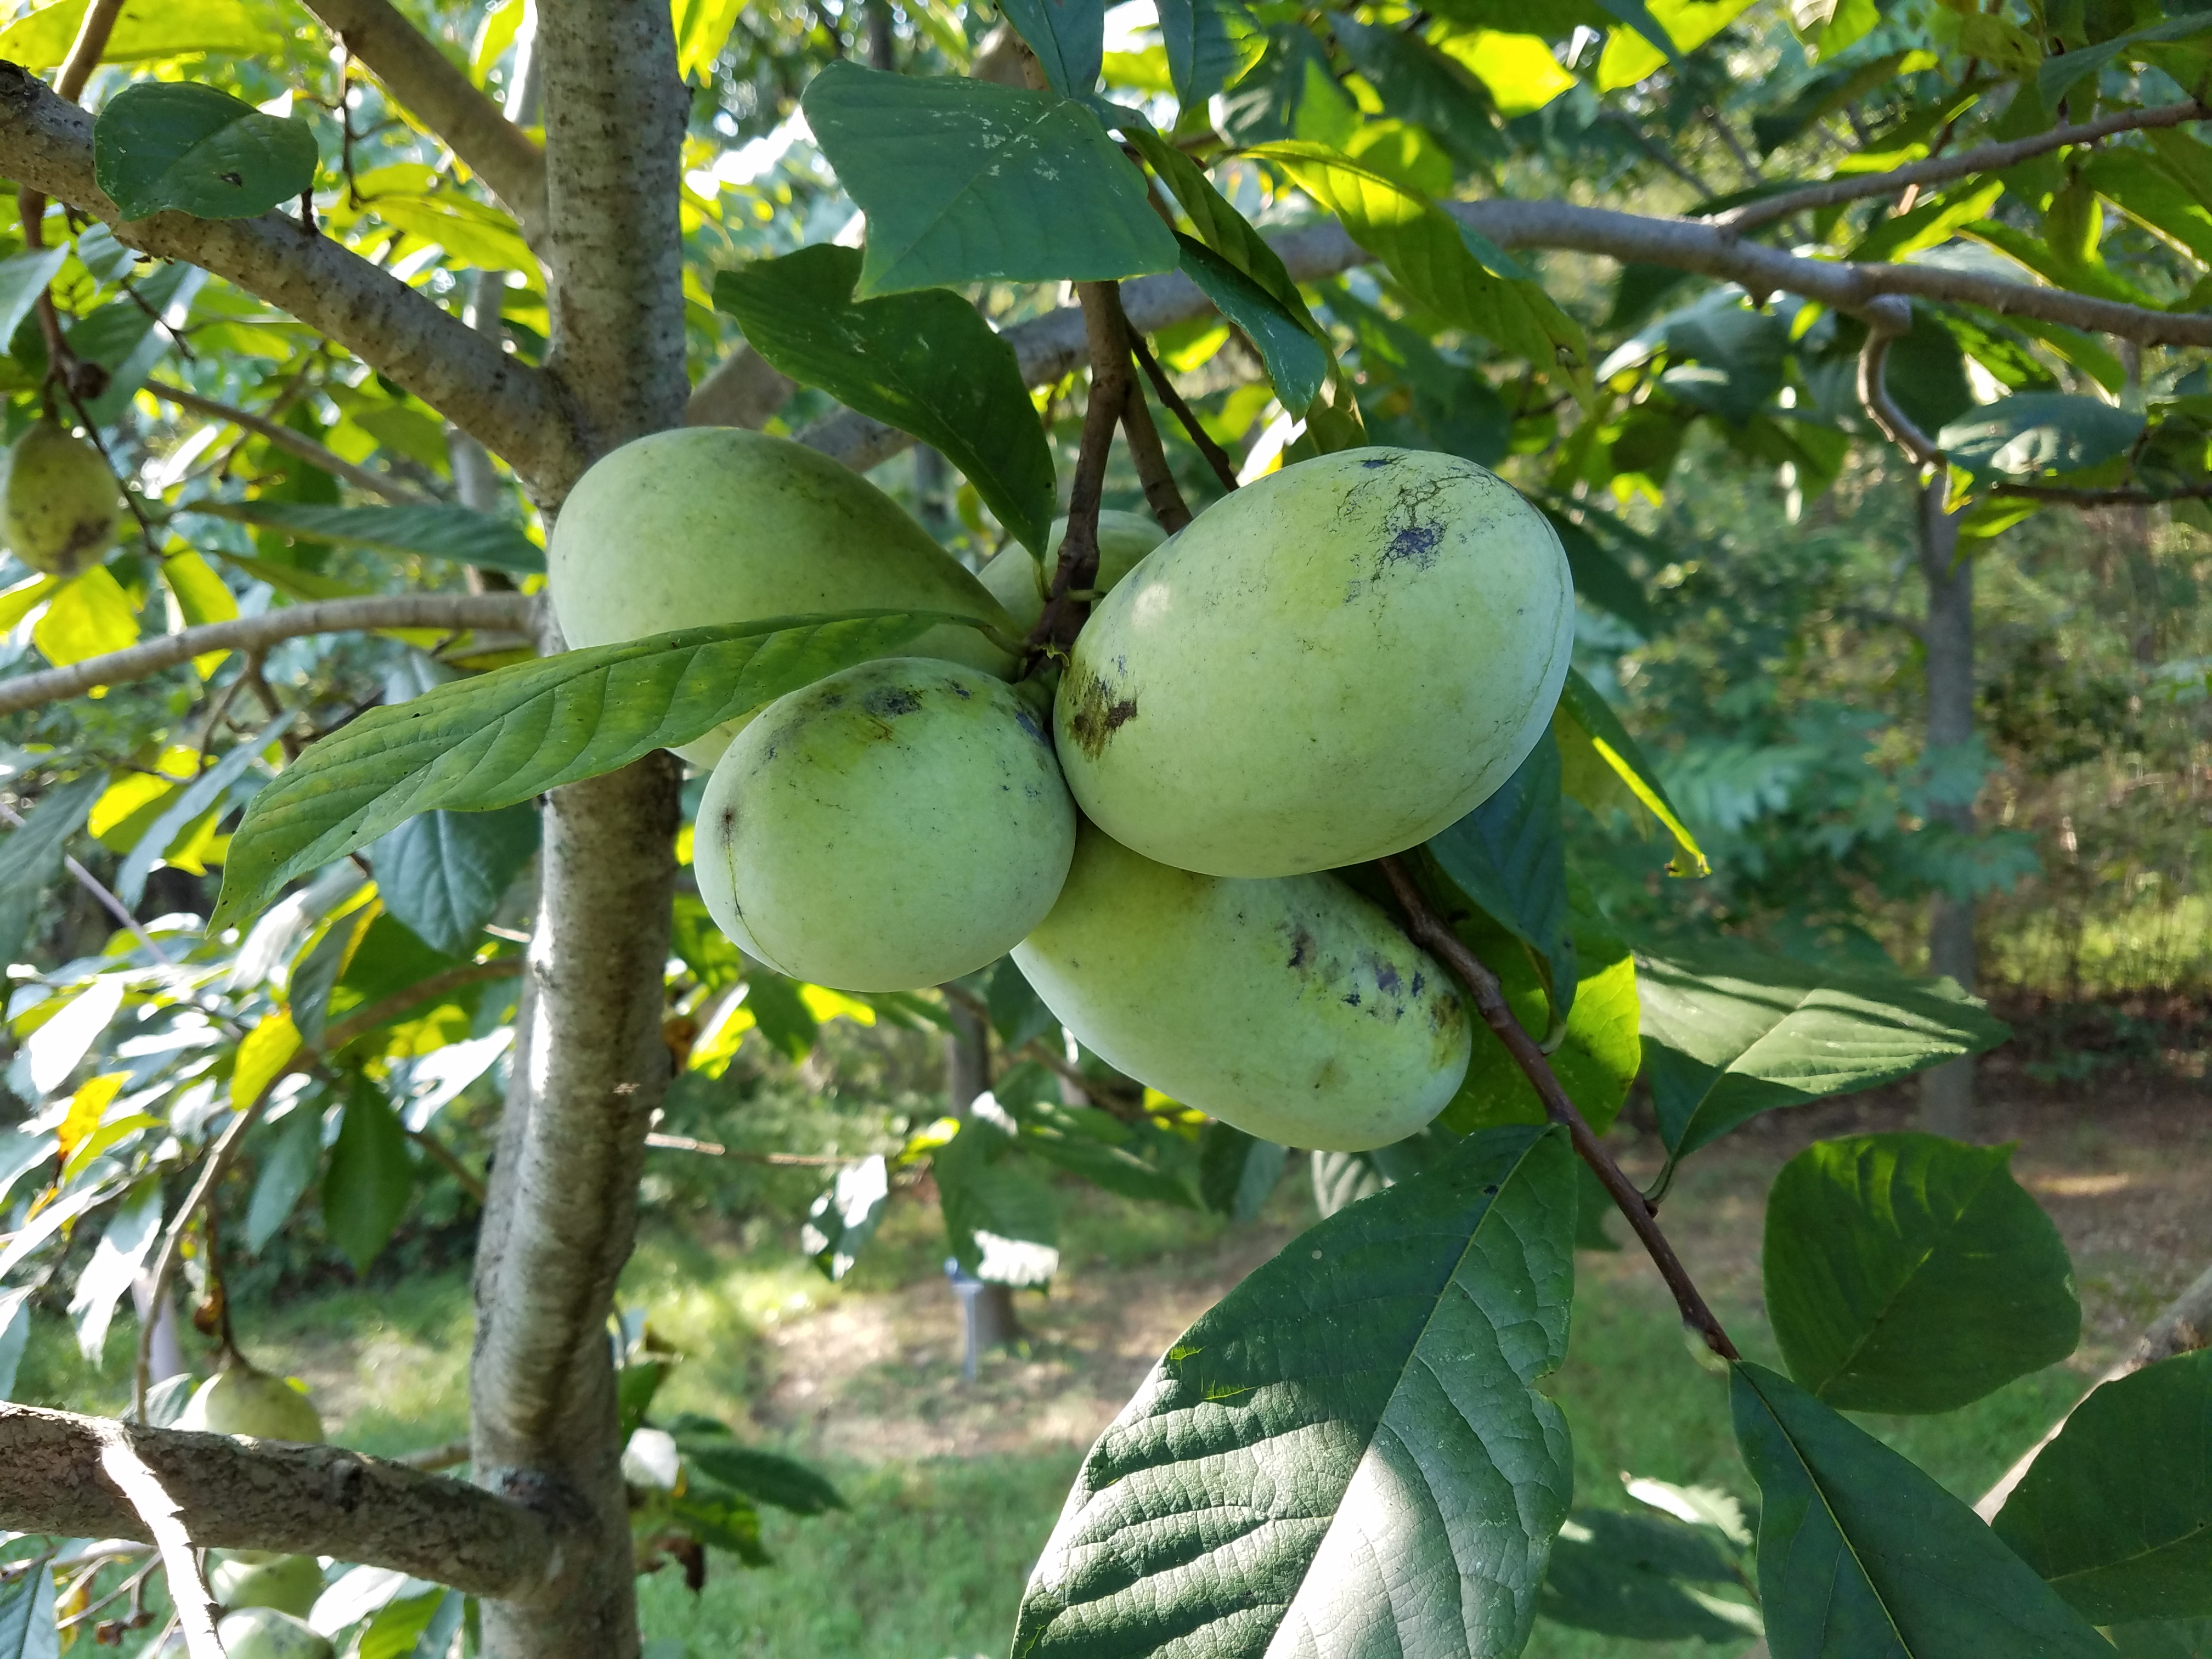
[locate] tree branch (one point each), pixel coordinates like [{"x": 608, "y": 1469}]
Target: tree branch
[
  {"x": 1224, "y": 470},
  {"x": 85, "y": 52},
  {"x": 416, "y": 72},
  {"x": 1077, "y": 572},
  {"x": 1162, "y": 494},
  {"x": 447, "y": 610},
  {"x": 298, "y": 443},
  {"x": 744, "y": 389},
  {"x": 1889, "y": 319},
  {"x": 1941, "y": 169},
  {"x": 512, "y": 409},
  {"x": 2123, "y": 497},
  {"x": 1433, "y": 934},
  {"x": 267, "y": 1495}
]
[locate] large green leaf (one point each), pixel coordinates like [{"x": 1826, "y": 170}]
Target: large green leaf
[
  {"x": 1648, "y": 1577},
  {"x": 1219, "y": 225},
  {"x": 434, "y": 530},
  {"x": 1238, "y": 1173},
  {"x": 23, "y": 278},
  {"x": 1069, "y": 39},
  {"x": 2117, "y": 1512},
  {"x": 288, "y": 1168},
  {"x": 1348, "y": 1455},
  {"x": 2036, "y": 432},
  {"x": 177, "y": 144},
  {"x": 925, "y": 362},
  {"x": 1863, "y": 1556},
  {"x": 1598, "y": 1055},
  {"x": 1430, "y": 256},
  {"x": 1905, "y": 1272},
  {"x": 1510, "y": 856},
  {"x": 369, "y": 1180},
  {"x": 2164, "y": 1638},
  {"x": 31, "y": 857},
  {"x": 965, "y": 181},
  {"x": 442, "y": 874},
  {"x": 1590, "y": 730},
  {"x": 1730, "y": 1031},
  {"x": 1210, "y": 44},
  {"x": 1297, "y": 359},
  {"x": 783, "y": 1481},
  {"x": 477, "y": 744}
]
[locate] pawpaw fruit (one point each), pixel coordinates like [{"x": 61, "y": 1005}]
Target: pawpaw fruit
[
  {"x": 1329, "y": 665},
  {"x": 265, "y": 1634},
  {"x": 1290, "y": 1007},
  {"x": 240, "y": 1400},
  {"x": 261, "y": 1578},
  {"x": 713, "y": 526},
  {"x": 59, "y": 505},
  {"x": 893, "y": 826},
  {"x": 1022, "y": 584}
]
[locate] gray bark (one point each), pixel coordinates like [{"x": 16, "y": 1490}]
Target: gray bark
[{"x": 1947, "y": 1091}]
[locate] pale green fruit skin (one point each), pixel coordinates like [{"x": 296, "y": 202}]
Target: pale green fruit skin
[
  {"x": 257, "y": 1579},
  {"x": 58, "y": 503},
  {"x": 241, "y": 1399},
  {"x": 1290, "y": 1007},
  {"x": 891, "y": 826},
  {"x": 265, "y": 1634},
  {"x": 1327, "y": 666},
  {"x": 1020, "y": 582},
  {"x": 706, "y": 526}
]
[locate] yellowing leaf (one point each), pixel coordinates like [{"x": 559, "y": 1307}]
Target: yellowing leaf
[
  {"x": 264, "y": 1055},
  {"x": 146, "y": 28},
  {"x": 123, "y": 800},
  {"x": 86, "y": 1108},
  {"x": 202, "y": 598},
  {"x": 703, "y": 29},
  {"x": 494, "y": 36},
  {"x": 105, "y": 1136},
  {"x": 826, "y": 1004},
  {"x": 90, "y": 617},
  {"x": 1519, "y": 69},
  {"x": 1629, "y": 58},
  {"x": 19, "y": 601},
  {"x": 197, "y": 846}
]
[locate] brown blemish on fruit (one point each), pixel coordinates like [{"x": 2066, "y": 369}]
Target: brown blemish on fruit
[{"x": 1097, "y": 715}]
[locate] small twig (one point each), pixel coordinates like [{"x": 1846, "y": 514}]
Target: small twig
[
  {"x": 450, "y": 1161},
  {"x": 142, "y": 1489},
  {"x": 1719, "y": 124},
  {"x": 715, "y": 1149},
  {"x": 2125, "y": 497},
  {"x": 1429, "y": 930},
  {"x": 100, "y": 892},
  {"x": 1889, "y": 319},
  {"x": 1162, "y": 494},
  {"x": 1077, "y": 572},
  {"x": 283, "y": 437},
  {"x": 1201, "y": 440},
  {"x": 431, "y": 1459},
  {"x": 85, "y": 52}
]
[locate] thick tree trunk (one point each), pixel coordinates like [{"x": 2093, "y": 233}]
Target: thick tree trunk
[
  {"x": 1947, "y": 1091},
  {"x": 591, "y": 1064}
]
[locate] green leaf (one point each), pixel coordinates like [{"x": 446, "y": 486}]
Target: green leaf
[
  {"x": 442, "y": 874},
  {"x": 395, "y": 1629},
  {"x": 27, "y": 1628},
  {"x": 434, "y": 530},
  {"x": 842, "y": 1219},
  {"x": 1210, "y": 44},
  {"x": 1017, "y": 1012},
  {"x": 1600, "y": 578},
  {"x": 2116, "y": 1514},
  {"x": 23, "y": 278},
  {"x": 288, "y": 1169},
  {"x": 1103, "y": 1150},
  {"x": 966, "y": 181},
  {"x": 1432, "y": 258},
  {"x": 197, "y": 798},
  {"x": 1905, "y": 1272},
  {"x": 1348, "y": 1454},
  {"x": 1238, "y": 1173},
  {"x": 1730, "y": 1031},
  {"x": 477, "y": 743},
  {"x": 160, "y": 145},
  {"x": 370, "y": 1178},
  {"x": 1597, "y": 1058},
  {"x": 40, "y": 39},
  {"x": 1298, "y": 361},
  {"x": 1219, "y": 225},
  {"x": 781, "y": 1013},
  {"x": 1598, "y": 731},
  {"x": 999, "y": 1209},
  {"x": 31, "y": 857},
  {"x": 2164, "y": 1638},
  {"x": 1343, "y": 1178},
  {"x": 2036, "y": 432},
  {"x": 2058, "y": 76},
  {"x": 783, "y": 1481},
  {"x": 1648, "y": 1577},
  {"x": 1861, "y": 1556},
  {"x": 1068, "y": 36},
  {"x": 1418, "y": 83},
  {"x": 925, "y": 362},
  {"x": 1510, "y": 856}
]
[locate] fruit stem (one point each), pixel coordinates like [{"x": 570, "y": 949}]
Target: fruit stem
[
  {"x": 1107, "y": 336},
  {"x": 1216, "y": 456},
  {"x": 1433, "y": 934}
]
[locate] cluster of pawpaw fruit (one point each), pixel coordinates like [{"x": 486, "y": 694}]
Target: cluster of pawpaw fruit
[
  {"x": 264, "y": 1597},
  {"x": 59, "y": 504},
  {"x": 1325, "y": 667}
]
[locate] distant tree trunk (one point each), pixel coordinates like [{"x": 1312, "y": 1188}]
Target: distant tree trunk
[
  {"x": 968, "y": 1074},
  {"x": 1947, "y": 1091}
]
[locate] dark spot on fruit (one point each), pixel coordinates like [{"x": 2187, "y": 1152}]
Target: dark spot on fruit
[
  {"x": 1419, "y": 980},
  {"x": 891, "y": 701},
  {"x": 728, "y": 821},
  {"x": 1302, "y": 949},
  {"x": 1099, "y": 714},
  {"x": 835, "y": 699},
  {"x": 1386, "y": 976},
  {"x": 1352, "y": 1001},
  {"x": 1417, "y": 542},
  {"x": 1372, "y": 462},
  {"x": 960, "y": 691},
  {"x": 1027, "y": 721}
]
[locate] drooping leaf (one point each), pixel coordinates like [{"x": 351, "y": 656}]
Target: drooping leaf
[
  {"x": 2060, "y": 74},
  {"x": 28, "y": 1627},
  {"x": 783, "y": 1481},
  {"x": 1863, "y": 1556},
  {"x": 1238, "y": 1173},
  {"x": 23, "y": 278},
  {"x": 1219, "y": 225},
  {"x": 999, "y": 1211},
  {"x": 1068, "y": 36},
  {"x": 434, "y": 530},
  {"x": 442, "y": 874},
  {"x": 1905, "y": 1272},
  {"x": 1600, "y": 578},
  {"x": 1598, "y": 730},
  {"x": 1642, "y": 1577},
  {"x": 2115, "y": 1513},
  {"x": 31, "y": 857},
  {"x": 197, "y": 798},
  {"x": 177, "y": 144},
  {"x": 782, "y": 1012},
  {"x": 288, "y": 1169},
  {"x": 1510, "y": 856},
  {"x": 88, "y": 616},
  {"x": 967, "y": 181},
  {"x": 842, "y": 1219},
  {"x": 1210, "y": 44},
  {"x": 1348, "y": 1455},
  {"x": 1730, "y": 1031},
  {"x": 1019, "y": 1014},
  {"x": 370, "y": 1178},
  {"x": 478, "y": 744},
  {"x": 1298, "y": 361},
  {"x": 1138, "y": 1160},
  {"x": 925, "y": 362},
  {"x": 116, "y": 1262},
  {"x": 2036, "y": 432}
]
